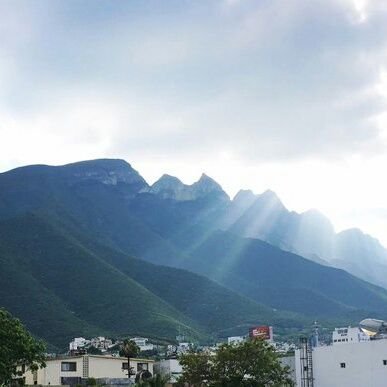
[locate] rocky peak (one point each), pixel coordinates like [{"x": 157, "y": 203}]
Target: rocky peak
[
  {"x": 167, "y": 182},
  {"x": 206, "y": 185},
  {"x": 106, "y": 171},
  {"x": 270, "y": 198},
  {"x": 245, "y": 196},
  {"x": 170, "y": 187},
  {"x": 314, "y": 216}
]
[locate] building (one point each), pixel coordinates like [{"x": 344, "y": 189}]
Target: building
[
  {"x": 235, "y": 339},
  {"x": 348, "y": 335},
  {"x": 176, "y": 350},
  {"x": 71, "y": 370},
  {"x": 101, "y": 343},
  {"x": 170, "y": 368},
  {"x": 77, "y": 343},
  {"x": 354, "y": 364},
  {"x": 143, "y": 343}
]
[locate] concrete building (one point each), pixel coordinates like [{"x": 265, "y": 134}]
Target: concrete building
[
  {"x": 235, "y": 339},
  {"x": 348, "y": 335},
  {"x": 101, "y": 343},
  {"x": 77, "y": 343},
  {"x": 143, "y": 343},
  {"x": 71, "y": 370},
  {"x": 354, "y": 364}
]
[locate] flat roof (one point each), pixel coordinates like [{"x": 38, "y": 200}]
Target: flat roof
[{"x": 69, "y": 357}]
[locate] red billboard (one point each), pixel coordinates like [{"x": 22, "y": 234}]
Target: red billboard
[{"x": 263, "y": 332}]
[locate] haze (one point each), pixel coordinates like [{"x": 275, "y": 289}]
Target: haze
[{"x": 289, "y": 96}]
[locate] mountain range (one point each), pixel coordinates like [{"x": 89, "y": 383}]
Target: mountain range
[{"x": 90, "y": 248}]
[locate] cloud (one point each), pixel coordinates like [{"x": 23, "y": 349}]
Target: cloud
[{"x": 259, "y": 80}]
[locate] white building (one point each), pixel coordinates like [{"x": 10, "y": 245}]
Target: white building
[
  {"x": 355, "y": 364},
  {"x": 143, "y": 343},
  {"x": 348, "y": 335},
  {"x": 77, "y": 343},
  {"x": 235, "y": 339},
  {"x": 101, "y": 343},
  {"x": 70, "y": 370},
  {"x": 170, "y": 368}
]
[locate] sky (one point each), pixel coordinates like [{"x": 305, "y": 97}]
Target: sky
[{"x": 263, "y": 94}]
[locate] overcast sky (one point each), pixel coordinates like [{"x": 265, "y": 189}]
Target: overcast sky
[{"x": 286, "y": 95}]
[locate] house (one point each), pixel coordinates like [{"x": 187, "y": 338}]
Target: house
[
  {"x": 72, "y": 370},
  {"x": 143, "y": 343}
]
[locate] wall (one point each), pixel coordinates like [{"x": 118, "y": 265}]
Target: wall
[
  {"x": 363, "y": 365},
  {"x": 99, "y": 367},
  {"x": 170, "y": 368}
]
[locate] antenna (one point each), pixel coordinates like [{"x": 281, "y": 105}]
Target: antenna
[{"x": 316, "y": 327}]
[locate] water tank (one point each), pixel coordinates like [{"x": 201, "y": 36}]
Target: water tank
[{"x": 373, "y": 327}]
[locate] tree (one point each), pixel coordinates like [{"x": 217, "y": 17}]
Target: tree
[
  {"x": 18, "y": 349},
  {"x": 129, "y": 349},
  {"x": 155, "y": 381},
  {"x": 197, "y": 368},
  {"x": 91, "y": 382},
  {"x": 252, "y": 364}
]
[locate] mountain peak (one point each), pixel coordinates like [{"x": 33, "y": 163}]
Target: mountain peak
[
  {"x": 315, "y": 215},
  {"x": 207, "y": 185},
  {"x": 270, "y": 194},
  {"x": 170, "y": 187},
  {"x": 164, "y": 179},
  {"x": 205, "y": 177},
  {"x": 208, "y": 181},
  {"x": 244, "y": 196},
  {"x": 106, "y": 171},
  {"x": 271, "y": 198}
]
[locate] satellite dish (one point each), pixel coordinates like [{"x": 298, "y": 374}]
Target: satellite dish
[
  {"x": 143, "y": 375},
  {"x": 373, "y": 327}
]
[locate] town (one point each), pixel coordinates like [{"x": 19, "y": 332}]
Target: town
[{"x": 354, "y": 355}]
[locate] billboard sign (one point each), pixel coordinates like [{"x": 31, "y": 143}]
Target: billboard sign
[{"x": 263, "y": 332}]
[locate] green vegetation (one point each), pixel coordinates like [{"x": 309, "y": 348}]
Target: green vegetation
[
  {"x": 48, "y": 271},
  {"x": 129, "y": 349},
  {"x": 67, "y": 238},
  {"x": 155, "y": 381},
  {"x": 69, "y": 279},
  {"x": 18, "y": 349},
  {"x": 252, "y": 363}
]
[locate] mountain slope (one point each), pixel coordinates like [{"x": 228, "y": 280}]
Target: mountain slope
[
  {"x": 284, "y": 280},
  {"x": 309, "y": 234},
  {"x": 103, "y": 211},
  {"x": 93, "y": 290},
  {"x": 52, "y": 271}
]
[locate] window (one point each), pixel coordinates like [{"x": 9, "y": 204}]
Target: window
[
  {"x": 342, "y": 365},
  {"x": 142, "y": 366},
  {"x": 124, "y": 366},
  {"x": 68, "y": 366},
  {"x": 384, "y": 362}
]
